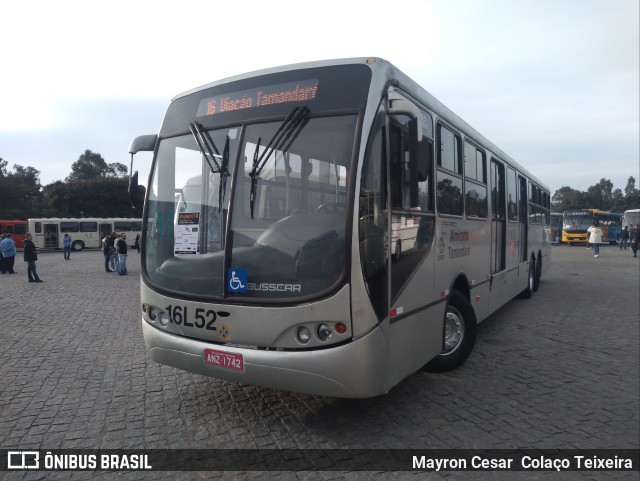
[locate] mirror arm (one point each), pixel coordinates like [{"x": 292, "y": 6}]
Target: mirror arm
[{"x": 401, "y": 106}]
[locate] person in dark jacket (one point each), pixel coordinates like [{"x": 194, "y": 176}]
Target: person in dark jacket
[
  {"x": 624, "y": 238},
  {"x": 30, "y": 257},
  {"x": 634, "y": 238}
]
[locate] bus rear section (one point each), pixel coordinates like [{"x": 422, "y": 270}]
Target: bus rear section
[
  {"x": 17, "y": 229},
  {"x": 301, "y": 231}
]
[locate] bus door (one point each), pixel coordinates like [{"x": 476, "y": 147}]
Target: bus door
[
  {"x": 411, "y": 237},
  {"x": 524, "y": 220},
  {"x": 104, "y": 228},
  {"x": 498, "y": 220},
  {"x": 50, "y": 236}
]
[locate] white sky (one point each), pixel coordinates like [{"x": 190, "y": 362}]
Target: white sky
[{"x": 554, "y": 83}]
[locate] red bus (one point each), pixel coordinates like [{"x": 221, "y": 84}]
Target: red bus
[{"x": 17, "y": 228}]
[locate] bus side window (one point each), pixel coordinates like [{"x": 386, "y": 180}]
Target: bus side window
[{"x": 410, "y": 166}]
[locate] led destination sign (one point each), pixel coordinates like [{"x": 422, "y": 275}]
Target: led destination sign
[{"x": 268, "y": 95}]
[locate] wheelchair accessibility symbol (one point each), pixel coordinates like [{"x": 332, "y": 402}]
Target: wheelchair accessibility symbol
[{"x": 237, "y": 280}]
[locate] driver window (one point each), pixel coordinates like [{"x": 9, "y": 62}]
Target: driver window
[{"x": 409, "y": 189}]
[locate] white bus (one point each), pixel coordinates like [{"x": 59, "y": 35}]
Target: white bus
[
  {"x": 630, "y": 217},
  {"x": 85, "y": 232},
  {"x": 347, "y": 230}
]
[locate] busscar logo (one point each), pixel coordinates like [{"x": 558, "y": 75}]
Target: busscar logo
[{"x": 23, "y": 460}]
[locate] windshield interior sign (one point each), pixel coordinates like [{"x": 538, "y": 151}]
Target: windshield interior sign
[
  {"x": 300, "y": 91},
  {"x": 187, "y": 232}
]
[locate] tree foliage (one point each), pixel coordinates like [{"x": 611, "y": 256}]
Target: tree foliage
[
  {"x": 97, "y": 189},
  {"x": 91, "y": 165},
  {"x": 99, "y": 197},
  {"x": 599, "y": 196},
  {"x": 21, "y": 191}
]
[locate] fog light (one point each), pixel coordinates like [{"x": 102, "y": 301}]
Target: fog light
[
  {"x": 152, "y": 313},
  {"x": 324, "y": 332},
  {"x": 304, "y": 335},
  {"x": 163, "y": 317}
]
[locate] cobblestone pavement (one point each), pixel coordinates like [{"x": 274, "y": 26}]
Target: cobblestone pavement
[{"x": 559, "y": 370}]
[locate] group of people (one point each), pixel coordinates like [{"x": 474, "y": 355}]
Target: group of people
[
  {"x": 629, "y": 237},
  {"x": 114, "y": 249},
  {"x": 8, "y": 255}
]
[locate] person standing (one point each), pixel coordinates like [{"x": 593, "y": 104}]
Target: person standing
[
  {"x": 30, "y": 257},
  {"x": 66, "y": 245},
  {"x": 624, "y": 238},
  {"x": 107, "y": 245},
  {"x": 136, "y": 244},
  {"x": 634, "y": 238},
  {"x": 8, "y": 248},
  {"x": 4, "y": 234},
  {"x": 121, "y": 249},
  {"x": 595, "y": 237}
]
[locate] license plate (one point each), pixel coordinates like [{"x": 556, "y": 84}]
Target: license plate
[{"x": 227, "y": 360}]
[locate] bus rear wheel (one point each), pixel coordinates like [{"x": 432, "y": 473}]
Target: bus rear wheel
[
  {"x": 77, "y": 246},
  {"x": 531, "y": 281},
  {"x": 459, "y": 335}
]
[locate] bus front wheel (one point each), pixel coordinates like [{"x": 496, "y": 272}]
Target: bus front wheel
[
  {"x": 77, "y": 245},
  {"x": 459, "y": 335}
]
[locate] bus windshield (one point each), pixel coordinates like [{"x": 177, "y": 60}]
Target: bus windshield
[
  {"x": 276, "y": 231},
  {"x": 580, "y": 221}
]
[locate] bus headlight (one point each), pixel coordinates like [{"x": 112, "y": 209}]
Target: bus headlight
[
  {"x": 163, "y": 317},
  {"x": 304, "y": 335},
  {"x": 152, "y": 313},
  {"x": 324, "y": 332}
]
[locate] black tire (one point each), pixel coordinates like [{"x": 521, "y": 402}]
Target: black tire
[
  {"x": 460, "y": 335},
  {"x": 531, "y": 281},
  {"x": 536, "y": 284},
  {"x": 77, "y": 246}
]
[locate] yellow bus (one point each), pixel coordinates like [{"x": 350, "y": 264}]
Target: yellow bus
[{"x": 576, "y": 222}]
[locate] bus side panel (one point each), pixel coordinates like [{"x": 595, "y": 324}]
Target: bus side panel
[{"x": 412, "y": 342}]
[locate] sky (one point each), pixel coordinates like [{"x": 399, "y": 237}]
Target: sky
[{"x": 553, "y": 83}]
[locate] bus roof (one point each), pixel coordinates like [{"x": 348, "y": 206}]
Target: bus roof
[{"x": 384, "y": 73}]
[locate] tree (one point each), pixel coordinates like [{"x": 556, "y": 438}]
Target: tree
[
  {"x": 91, "y": 165},
  {"x": 567, "y": 198},
  {"x": 101, "y": 197},
  {"x": 21, "y": 191},
  {"x": 600, "y": 195}
]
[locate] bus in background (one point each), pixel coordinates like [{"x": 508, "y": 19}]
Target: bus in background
[
  {"x": 576, "y": 223},
  {"x": 347, "y": 230},
  {"x": 17, "y": 228},
  {"x": 630, "y": 217},
  {"x": 85, "y": 232}
]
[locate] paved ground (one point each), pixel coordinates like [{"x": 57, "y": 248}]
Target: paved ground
[{"x": 560, "y": 370}]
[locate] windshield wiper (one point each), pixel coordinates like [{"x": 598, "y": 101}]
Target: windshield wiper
[
  {"x": 206, "y": 146},
  {"x": 210, "y": 151},
  {"x": 286, "y": 134}
]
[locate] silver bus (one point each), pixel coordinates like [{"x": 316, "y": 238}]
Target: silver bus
[
  {"x": 329, "y": 228},
  {"x": 631, "y": 217}
]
